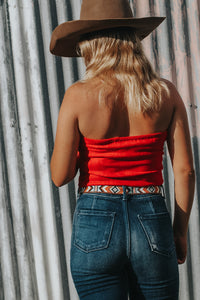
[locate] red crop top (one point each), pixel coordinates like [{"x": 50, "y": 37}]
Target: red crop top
[{"x": 131, "y": 160}]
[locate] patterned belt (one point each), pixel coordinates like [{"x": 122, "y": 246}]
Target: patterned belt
[{"x": 116, "y": 189}]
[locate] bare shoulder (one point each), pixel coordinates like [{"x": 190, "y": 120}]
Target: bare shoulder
[
  {"x": 174, "y": 95},
  {"x": 73, "y": 97},
  {"x": 179, "y": 109},
  {"x": 72, "y": 93},
  {"x": 169, "y": 84}
]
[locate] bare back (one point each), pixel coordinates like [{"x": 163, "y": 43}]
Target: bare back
[{"x": 110, "y": 118}]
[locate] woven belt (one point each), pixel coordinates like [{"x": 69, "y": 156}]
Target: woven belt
[{"x": 115, "y": 189}]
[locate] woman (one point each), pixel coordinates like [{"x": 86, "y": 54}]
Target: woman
[{"x": 112, "y": 126}]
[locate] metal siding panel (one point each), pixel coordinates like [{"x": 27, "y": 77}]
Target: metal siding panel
[
  {"x": 13, "y": 203},
  {"x": 35, "y": 216}
]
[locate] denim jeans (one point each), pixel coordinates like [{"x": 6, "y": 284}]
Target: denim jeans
[{"x": 122, "y": 248}]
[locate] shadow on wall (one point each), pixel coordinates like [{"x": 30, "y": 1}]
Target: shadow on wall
[{"x": 195, "y": 143}]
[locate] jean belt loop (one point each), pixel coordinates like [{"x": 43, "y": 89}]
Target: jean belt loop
[
  {"x": 124, "y": 192},
  {"x": 162, "y": 191}
]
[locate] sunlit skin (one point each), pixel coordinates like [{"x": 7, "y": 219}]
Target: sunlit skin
[{"x": 81, "y": 113}]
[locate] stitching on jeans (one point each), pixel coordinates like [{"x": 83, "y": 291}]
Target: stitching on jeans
[
  {"x": 153, "y": 249},
  {"x": 145, "y": 232},
  {"x": 101, "y": 244}
]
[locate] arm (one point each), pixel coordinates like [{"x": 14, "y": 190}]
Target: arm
[
  {"x": 64, "y": 157},
  {"x": 180, "y": 151}
]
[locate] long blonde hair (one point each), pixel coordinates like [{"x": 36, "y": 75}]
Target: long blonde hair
[{"x": 117, "y": 56}]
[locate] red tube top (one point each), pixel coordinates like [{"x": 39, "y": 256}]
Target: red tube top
[{"x": 131, "y": 160}]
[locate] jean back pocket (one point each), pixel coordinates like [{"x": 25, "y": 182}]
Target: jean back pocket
[
  {"x": 158, "y": 230},
  {"x": 93, "y": 229}
]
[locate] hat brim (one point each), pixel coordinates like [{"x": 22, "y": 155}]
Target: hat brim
[{"x": 65, "y": 37}]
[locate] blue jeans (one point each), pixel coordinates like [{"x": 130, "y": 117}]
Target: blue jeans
[{"x": 122, "y": 246}]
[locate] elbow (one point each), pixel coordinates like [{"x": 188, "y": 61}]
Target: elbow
[
  {"x": 61, "y": 176},
  {"x": 58, "y": 181},
  {"x": 191, "y": 175},
  {"x": 55, "y": 180},
  {"x": 189, "y": 172},
  {"x": 186, "y": 172}
]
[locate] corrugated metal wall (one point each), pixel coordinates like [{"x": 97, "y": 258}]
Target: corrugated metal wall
[{"x": 35, "y": 216}]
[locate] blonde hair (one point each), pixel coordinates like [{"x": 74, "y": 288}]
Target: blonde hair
[{"x": 116, "y": 56}]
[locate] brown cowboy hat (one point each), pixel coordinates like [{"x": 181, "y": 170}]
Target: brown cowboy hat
[{"x": 98, "y": 15}]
